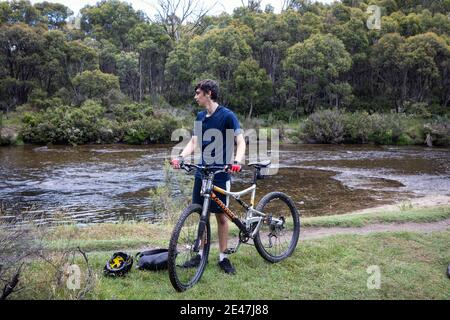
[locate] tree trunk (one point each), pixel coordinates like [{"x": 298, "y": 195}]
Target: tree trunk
[
  {"x": 140, "y": 77},
  {"x": 251, "y": 110}
]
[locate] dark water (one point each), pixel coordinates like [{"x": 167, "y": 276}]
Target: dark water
[{"x": 92, "y": 184}]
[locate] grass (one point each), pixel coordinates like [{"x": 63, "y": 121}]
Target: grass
[
  {"x": 140, "y": 235},
  {"x": 108, "y": 236},
  {"x": 412, "y": 265},
  {"x": 404, "y": 214}
]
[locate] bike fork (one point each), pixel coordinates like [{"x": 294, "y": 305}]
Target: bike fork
[{"x": 202, "y": 224}]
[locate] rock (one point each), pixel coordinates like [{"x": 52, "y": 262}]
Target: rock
[
  {"x": 429, "y": 140},
  {"x": 8, "y": 135}
]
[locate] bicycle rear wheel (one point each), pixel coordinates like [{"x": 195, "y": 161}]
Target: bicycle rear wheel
[
  {"x": 277, "y": 242},
  {"x": 186, "y": 266}
]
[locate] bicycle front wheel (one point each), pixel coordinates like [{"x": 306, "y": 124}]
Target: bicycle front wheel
[
  {"x": 277, "y": 241},
  {"x": 186, "y": 266}
]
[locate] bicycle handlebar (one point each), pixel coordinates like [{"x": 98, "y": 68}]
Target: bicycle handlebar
[{"x": 218, "y": 168}]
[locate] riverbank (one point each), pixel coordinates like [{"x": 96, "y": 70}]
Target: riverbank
[
  {"x": 412, "y": 262},
  {"x": 136, "y": 124}
]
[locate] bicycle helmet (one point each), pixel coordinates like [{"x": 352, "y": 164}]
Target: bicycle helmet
[{"x": 119, "y": 264}]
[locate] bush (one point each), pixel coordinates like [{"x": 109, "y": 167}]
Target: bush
[
  {"x": 64, "y": 124},
  {"x": 325, "y": 126},
  {"x": 131, "y": 111},
  {"x": 418, "y": 109},
  {"x": 131, "y": 123},
  {"x": 150, "y": 130},
  {"x": 387, "y": 128},
  {"x": 360, "y": 127},
  {"x": 357, "y": 127},
  {"x": 439, "y": 130}
]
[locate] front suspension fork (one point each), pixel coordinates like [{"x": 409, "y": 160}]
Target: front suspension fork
[{"x": 202, "y": 225}]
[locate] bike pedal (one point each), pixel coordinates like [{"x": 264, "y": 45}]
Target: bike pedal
[{"x": 230, "y": 251}]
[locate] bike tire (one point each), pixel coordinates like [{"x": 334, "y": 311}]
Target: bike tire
[
  {"x": 260, "y": 247},
  {"x": 175, "y": 279}
]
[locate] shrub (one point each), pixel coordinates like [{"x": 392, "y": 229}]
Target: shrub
[
  {"x": 150, "y": 130},
  {"x": 325, "y": 126},
  {"x": 64, "y": 124},
  {"x": 387, "y": 128},
  {"x": 357, "y": 127},
  {"x": 133, "y": 123},
  {"x": 418, "y": 109}
]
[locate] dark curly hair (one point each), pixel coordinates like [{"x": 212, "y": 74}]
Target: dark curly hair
[{"x": 209, "y": 85}]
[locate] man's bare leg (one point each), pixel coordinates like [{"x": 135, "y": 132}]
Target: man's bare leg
[{"x": 222, "y": 227}]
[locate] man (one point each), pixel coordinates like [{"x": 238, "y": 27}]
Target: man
[{"x": 215, "y": 118}]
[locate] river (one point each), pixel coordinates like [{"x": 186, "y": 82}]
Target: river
[{"x": 108, "y": 183}]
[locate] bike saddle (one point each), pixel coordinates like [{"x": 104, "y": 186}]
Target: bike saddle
[{"x": 261, "y": 164}]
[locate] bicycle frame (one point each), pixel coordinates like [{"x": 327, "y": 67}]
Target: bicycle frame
[
  {"x": 245, "y": 226},
  {"x": 252, "y": 215}
]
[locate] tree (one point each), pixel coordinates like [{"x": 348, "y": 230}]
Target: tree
[
  {"x": 427, "y": 58},
  {"x": 178, "y": 73},
  {"x": 54, "y": 56},
  {"x": 128, "y": 72},
  {"x": 178, "y": 16},
  {"x": 55, "y": 14},
  {"x": 271, "y": 43},
  {"x": 21, "y": 49},
  {"x": 22, "y": 11},
  {"x": 153, "y": 46},
  {"x": 107, "y": 56},
  {"x": 253, "y": 86},
  {"x": 110, "y": 20},
  {"x": 94, "y": 85},
  {"x": 79, "y": 57},
  {"x": 217, "y": 54},
  {"x": 315, "y": 66},
  {"x": 388, "y": 59}
]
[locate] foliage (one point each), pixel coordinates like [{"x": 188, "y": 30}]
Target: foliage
[
  {"x": 332, "y": 126},
  {"x": 90, "y": 123},
  {"x": 309, "y": 57},
  {"x": 323, "y": 127}
]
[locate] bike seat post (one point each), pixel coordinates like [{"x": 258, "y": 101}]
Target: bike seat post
[{"x": 255, "y": 175}]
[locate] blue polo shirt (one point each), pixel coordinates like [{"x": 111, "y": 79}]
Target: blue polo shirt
[{"x": 216, "y": 135}]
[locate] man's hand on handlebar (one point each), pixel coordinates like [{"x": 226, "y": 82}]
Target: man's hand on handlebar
[
  {"x": 176, "y": 163},
  {"x": 236, "y": 167}
]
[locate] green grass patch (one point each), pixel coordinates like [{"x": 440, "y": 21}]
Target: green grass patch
[
  {"x": 405, "y": 214},
  {"x": 412, "y": 266}
]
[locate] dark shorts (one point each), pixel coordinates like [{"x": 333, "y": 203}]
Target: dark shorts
[{"x": 213, "y": 207}]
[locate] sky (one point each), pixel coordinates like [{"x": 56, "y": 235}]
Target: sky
[{"x": 148, "y": 6}]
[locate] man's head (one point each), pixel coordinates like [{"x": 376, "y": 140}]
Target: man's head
[{"x": 206, "y": 91}]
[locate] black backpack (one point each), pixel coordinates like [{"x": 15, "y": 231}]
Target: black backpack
[{"x": 153, "y": 260}]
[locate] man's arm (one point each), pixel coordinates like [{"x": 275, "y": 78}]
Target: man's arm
[
  {"x": 190, "y": 147},
  {"x": 187, "y": 151},
  {"x": 240, "y": 149}
]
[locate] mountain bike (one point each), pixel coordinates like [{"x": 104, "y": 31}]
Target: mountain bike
[{"x": 273, "y": 225}]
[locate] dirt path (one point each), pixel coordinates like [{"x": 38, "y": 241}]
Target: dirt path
[
  {"x": 428, "y": 201},
  {"x": 320, "y": 232}
]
